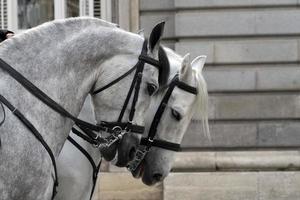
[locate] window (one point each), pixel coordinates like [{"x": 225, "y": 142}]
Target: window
[
  {"x": 34, "y": 12},
  {"x": 19, "y": 15},
  {"x": 3, "y": 14},
  {"x": 72, "y": 8}
]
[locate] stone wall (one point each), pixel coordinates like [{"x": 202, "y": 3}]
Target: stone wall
[{"x": 253, "y": 76}]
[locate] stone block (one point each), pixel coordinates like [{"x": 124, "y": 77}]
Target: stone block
[
  {"x": 257, "y": 160},
  {"x": 279, "y": 186},
  {"x": 237, "y": 160},
  {"x": 233, "y": 186},
  {"x": 195, "y": 161},
  {"x": 149, "y": 20},
  {"x": 222, "y": 135},
  {"x": 232, "y": 3},
  {"x": 243, "y": 135},
  {"x": 230, "y": 79},
  {"x": 279, "y": 134},
  {"x": 278, "y": 78},
  {"x": 243, "y": 51},
  {"x": 252, "y": 78},
  {"x": 241, "y": 22},
  {"x": 210, "y": 186},
  {"x": 256, "y": 106},
  {"x": 122, "y": 186},
  {"x": 146, "y": 5}
]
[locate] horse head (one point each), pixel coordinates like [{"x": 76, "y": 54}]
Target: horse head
[
  {"x": 187, "y": 96},
  {"x": 109, "y": 104}
]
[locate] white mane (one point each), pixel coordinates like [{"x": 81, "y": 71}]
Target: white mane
[{"x": 201, "y": 104}]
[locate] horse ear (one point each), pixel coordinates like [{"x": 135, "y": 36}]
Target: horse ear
[
  {"x": 155, "y": 36},
  {"x": 198, "y": 63},
  {"x": 186, "y": 68},
  {"x": 141, "y": 33}
]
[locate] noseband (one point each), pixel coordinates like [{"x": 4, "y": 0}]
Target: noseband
[
  {"x": 149, "y": 141},
  {"x": 117, "y": 129}
]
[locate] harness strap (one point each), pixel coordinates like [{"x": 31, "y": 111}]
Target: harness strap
[
  {"x": 36, "y": 133},
  {"x": 133, "y": 128},
  {"x": 162, "y": 144},
  {"x": 114, "y": 81},
  {"x": 129, "y": 94},
  {"x": 186, "y": 87},
  {"x": 159, "y": 112},
  {"x": 89, "y": 139},
  {"x": 138, "y": 75},
  {"x": 42, "y": 96},
  {"x": 136, "y": 95},
  {"x": 144, "y": 57},
  {"x": 96, "y": 168}
]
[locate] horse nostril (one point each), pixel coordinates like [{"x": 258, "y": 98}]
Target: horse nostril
[
  {"x": 132, "y": 153},
  {"x": 157, "y": 177}
]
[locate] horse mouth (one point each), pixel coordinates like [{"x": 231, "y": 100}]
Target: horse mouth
[
  {"x": 109, "y": 153},
  {"x": 139, "y": 171}
]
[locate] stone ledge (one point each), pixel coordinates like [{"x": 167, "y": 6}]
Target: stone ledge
[
  {"x": 233, "y": 3},
  {"x": 122, "y": 186},
  {"x": 233, "y": 186},
  {"x": 238, "y": 161}
]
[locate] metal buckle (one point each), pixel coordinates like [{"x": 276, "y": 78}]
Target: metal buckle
[
  {"x": 139, "y": 156},
  {"x": 114, "y": 137}
]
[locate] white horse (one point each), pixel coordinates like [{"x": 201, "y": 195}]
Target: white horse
[
  {"x": 67, "y": 59},
  {"x": 74, "y": 170},
  {"x": 77, "y": 184},
  {"x": 174, "y": 121}
]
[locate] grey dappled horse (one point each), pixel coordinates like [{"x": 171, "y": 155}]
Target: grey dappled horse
[
  {"x": 77, "y": 184},
  {"x": 66, "y": 59},
  {"x": 74, "y": 170}
]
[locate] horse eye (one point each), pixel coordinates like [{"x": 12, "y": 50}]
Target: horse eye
[
  {"x": 151, "y": 88},
  {"x": 176, "y": 115}
]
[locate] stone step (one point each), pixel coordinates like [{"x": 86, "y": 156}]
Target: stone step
[
  {"x": 122, "y": 186},
  {"x": 274, "y": 185},
  {"x": 271, "y": 160},
  {"x": 233, "y": 186}
]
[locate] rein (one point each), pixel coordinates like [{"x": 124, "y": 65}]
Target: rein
[
  {"x": 149, "y": 141},
  {"x": 117, "y": 129}
]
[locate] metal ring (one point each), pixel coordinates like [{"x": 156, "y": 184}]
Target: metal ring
[{"x": 117, "y": 129}]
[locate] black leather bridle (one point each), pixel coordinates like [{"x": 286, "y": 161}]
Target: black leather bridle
[
  {"x": 117, "y": 129},
  {"x": 150, "y": 140}
]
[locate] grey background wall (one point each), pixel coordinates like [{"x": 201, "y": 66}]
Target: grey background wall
[{"x": 253, "y": 76}]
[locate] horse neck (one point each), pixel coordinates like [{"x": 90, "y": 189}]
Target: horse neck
[{"x": 64, "y": 66}]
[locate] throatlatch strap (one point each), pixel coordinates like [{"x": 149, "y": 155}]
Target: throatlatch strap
[{"x": 36, "y": 133}]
